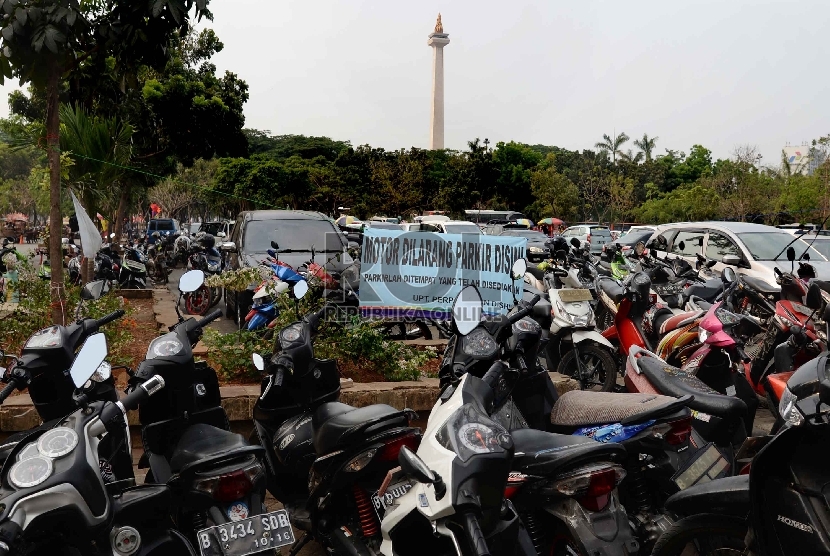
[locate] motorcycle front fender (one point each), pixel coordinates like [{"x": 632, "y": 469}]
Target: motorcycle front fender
[{"x": 593, "y": 335}]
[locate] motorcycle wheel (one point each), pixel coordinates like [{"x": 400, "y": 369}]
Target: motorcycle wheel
[
  {"x": 704, "y": 535},
  {"x": 216, "y": 296},
  {"x": 198, "y": 302},
  {"x": 596, "y": 358}
]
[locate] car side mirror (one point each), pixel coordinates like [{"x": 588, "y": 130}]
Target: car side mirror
[
  {"x": 731, "y": 260},
  {"x": 228, "y": 247},
  {"x": 416, "y": 468},
  {"x": 813, "y": 299}
]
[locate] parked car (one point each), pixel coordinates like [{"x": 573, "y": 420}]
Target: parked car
[
  {"x": 296, "y": 232},
  {"x": 640, "y": 228},
  {"x": 538, "y": 244},
  {"x": 382, "y": 225},
  {"x": 629, "y": 240},
  {"x": 595, "y": 235},
  {"x": 450, "y": 227},
  {"x": 213, "y": 228},
  {"x": 164, "y": 226},
  {"x": 753, "y": 249}
]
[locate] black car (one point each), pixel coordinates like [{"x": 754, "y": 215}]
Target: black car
[
  {"x": 538, "y": 244},
  {"x": 296, "y": 232},
  {"x": 629, "y": 240}
]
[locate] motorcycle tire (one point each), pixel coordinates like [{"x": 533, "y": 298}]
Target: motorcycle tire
[
  {"x": 604, "y": 362},
  {"x": 198, "y": 302},
  {"x": 709, "y": 534},
  {"x": 215, "y": 296},
  {"x": 228, "y": 312}
]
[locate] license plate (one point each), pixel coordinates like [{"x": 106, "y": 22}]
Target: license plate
[
  {"x": 248, "y": 536},
  {"x": 393, "y": 492}
]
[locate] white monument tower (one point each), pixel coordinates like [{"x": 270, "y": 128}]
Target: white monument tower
[{"x": 438, "y": 40}]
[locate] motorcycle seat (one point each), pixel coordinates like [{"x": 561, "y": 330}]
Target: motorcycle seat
[
  {"x": 611, "y": 288},
  {"x": 202, "y": 442},
  {"x": 580, "y": 408},
  {"x": 664, "y": 320},
  {"x": 336, "y": 424},
  {"x": 548, "y": 454},
  {"x": 759, "y": 285},
  {"x": 672, "y": 381},
  {"x": 701, "y": 303}
]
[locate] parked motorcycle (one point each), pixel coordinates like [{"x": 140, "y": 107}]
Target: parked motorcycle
[
  {"x": 157, "y": 266},
  {"x": 779, "y": 508},
  {"x": 55, "y": 498},
  {"x": 326, "y": 459},
  {"x": 216, "y": 477}
]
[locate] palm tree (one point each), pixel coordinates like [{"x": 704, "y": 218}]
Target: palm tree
[
  {"x": 609, "y": 145},
  {"x": 631, "y": 157},
  {"x": 647, "y": 145}
]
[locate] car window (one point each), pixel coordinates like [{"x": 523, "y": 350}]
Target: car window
[
  {"x": 631, "y": 238},
  {"x": 822, "y": 246},
  {"x": 430, "y": 228},
  {"x": 462, "y": 229},
  {"x": 718, "y": 246},
  {"x": 292, "y": 235},
  {"x": 691, "y": 239},
  {"x": 529, "y": 234},
  {"x": 763, "y": 246}
]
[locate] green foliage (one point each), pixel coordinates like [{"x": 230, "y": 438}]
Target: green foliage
[
  {"x": 35, "y": 312},
  {"x": 359, "y": 344}
]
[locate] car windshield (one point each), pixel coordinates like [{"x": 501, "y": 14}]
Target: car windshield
[
  {"x": 462, "y": 228},
  {"x": 383, "y": 225},
  {"x": 162, "y": 225},
  {"x": 212, "y": 228},
  {"x": 631, "y": 238},
  {"x": 529, "y": 234},
  {"x": 763, "y": 246},
  {"x": 822, "y": 246},
  {"x": 291, "y": 235}
]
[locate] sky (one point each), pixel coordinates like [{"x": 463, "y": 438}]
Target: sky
[{"x": 720, "y": 74}]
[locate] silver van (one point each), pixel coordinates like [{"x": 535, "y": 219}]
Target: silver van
[{"x": 594, "y": 234}]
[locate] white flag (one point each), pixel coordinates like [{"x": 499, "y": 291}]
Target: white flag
[{"x": 90, "y": 237}]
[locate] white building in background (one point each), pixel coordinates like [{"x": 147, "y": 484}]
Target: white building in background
[{"x": 437, "y": 40}]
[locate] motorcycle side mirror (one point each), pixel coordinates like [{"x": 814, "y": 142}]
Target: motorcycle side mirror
[
  {"x": 729, "y": 275},
  {"x": 191, "y": 281},
  {"x": 300, "y": 289},
  {"x": 274, "y": 244},
  {"x": 813, "y": 299},
  {"x": 519, "y": 269},
  {"x": 259, "y": 362},
  {"x": 790, "y": 253},
  {"x": 467, "y": 309},
  {"x": 575, "y": 242},
  {"x": 95, "y": 290},
  {"x": 806, "y": 256},
  {"x": 416, "y": 468},
  {"x": 682, "y": 245},
  {"x": 89, "y": 358}
]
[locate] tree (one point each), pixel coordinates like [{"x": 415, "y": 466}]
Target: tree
[
  {"x": 646, "y": 145},
  {"x": 622, "y": 198},
  {"x": 43, "y": 39},
  {"x": 631, "y": 158},
  {"x": 515, "y": 163},
  {"x": 556, "y": 195},
  {"x": 612, "y": 146}
]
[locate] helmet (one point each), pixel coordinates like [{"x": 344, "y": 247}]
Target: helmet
[
  {"x": 560, "y": 244},
  {"x": 207, "y": 241},
  {"x": 156, "y": 235}
]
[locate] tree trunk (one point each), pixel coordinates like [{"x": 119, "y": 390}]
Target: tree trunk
[
  {"x": 121, "y": 212},
  {"x": 58, "y": 295}
]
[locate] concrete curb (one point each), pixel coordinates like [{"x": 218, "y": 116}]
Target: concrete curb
[{"x": 18, "y": 413}]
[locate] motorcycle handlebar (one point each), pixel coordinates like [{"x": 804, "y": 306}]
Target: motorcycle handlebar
[
  {"x": 7, "y": 390},
  {"x": 142, "y": 393},
  {"x": 519, "y": 315},
  {"x": 493, "y": 374},
  {"x": 475, "y": 537},
  {"x": 106, "y": 319},
  {"x": 210, "y": 318}
]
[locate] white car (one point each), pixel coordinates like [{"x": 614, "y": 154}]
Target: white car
[
  {"x": 753, "y": 249},
  {"x": 594, "y": 234},
  {"x": 450, "y": 227}
]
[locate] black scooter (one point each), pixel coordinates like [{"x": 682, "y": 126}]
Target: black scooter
[
  {"x": 216, "y": 477},
  {"x": 326, "y": 459},
  {"x": 43, "y": 368},
  {"x": 781, "y": 507}
]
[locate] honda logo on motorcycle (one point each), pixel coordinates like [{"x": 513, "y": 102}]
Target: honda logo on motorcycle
[
  {"x": 794, "y": 523},
  {"x": 286, "y": 441}
]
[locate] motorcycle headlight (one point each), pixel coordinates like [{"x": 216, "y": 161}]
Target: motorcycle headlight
[
  {"x": 563, "y": 313},
  {"x": 46, "y": 338},
  {"x": 479, "y": 343},
  {"x": 526, "y": 325},
  {"x": 291, "y": 334},
  {"x": 467, "y": 432},
  {"x": 164, "y": 346},
  {"x": 702, "y": 334},
  {"x": 788, "y": 410}
]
